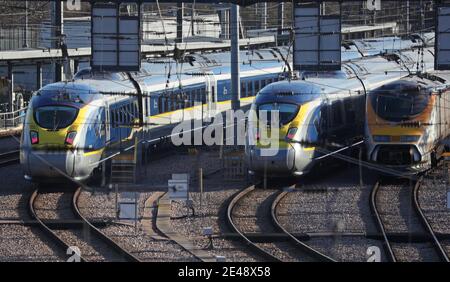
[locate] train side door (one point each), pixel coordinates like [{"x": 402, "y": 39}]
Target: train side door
[
  {"x": 211, "y": 94},
  {"x": 107, "y": 124}
]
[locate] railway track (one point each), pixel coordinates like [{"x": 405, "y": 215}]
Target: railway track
[
  {"x": 58, "y": 216},
  {"x": 252, "y": 215},
  {"x": 407, "y": 234},
  {"x": 9, "y": 158}
]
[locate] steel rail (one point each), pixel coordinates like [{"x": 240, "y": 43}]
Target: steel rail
[
  {"x": 381, "y": 227},
  {"x": 441, "y": 251},
  {"x": 257, "y": 249},
  {"x": 106, "y": 239},
  {"x": 299, "y": 244},
  {"x": 52, "y": 234}
]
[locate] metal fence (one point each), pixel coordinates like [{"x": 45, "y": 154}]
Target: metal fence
[
  {"x": 12, "y": 119},
  {"x": 233, "y": 164}
]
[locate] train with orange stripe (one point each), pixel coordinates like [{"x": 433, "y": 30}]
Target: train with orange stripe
[{"x": 408, "y": 122}]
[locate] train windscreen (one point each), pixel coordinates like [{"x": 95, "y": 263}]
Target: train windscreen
[
  {"x": 55, "y": 117},
  {"x": 399, "y": 102},
  {"x": 287, "y": 112}
]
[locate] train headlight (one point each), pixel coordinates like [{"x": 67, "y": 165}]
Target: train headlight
[
  {"x": 382, "y": 138},
  {"x": 291, "y": 133},
  {"x": 409, "y": 138},
  {"x": 70, "y": 137},
  {"x": 34, "y": 137}
]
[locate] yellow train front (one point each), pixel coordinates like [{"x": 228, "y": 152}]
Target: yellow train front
[
  {"x": 407, "y": 123},
  {"x": 64, "y": 133}
]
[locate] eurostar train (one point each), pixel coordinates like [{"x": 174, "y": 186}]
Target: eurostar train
[
  {"x": 408, "y": 122},
  {"x": 319, "y": 113},
  {"x": 73, "y": 128}
]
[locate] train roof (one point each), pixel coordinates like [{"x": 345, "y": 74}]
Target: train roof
[
  {"x": 73, "y": 94},
  {"x": 289, "y": 91}
]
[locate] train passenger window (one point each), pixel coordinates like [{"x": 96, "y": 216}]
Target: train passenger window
[
  {"x": 257, "y": 86},
  {"x": 188, "y": 98},
  {"x": 195, "y": 95},
  {"x": 243, "y": 92},
  {"x": 336, "y": 114},
  {"x": 249, "y": 89},
  {"x": 111, "y": 118},
  {"x": 170, "y": 102},
  {"x": 324, "y": 120},
  {"x": 192, "y": 96},
  {"x": 203, "y": 95},
  {"x": 165, "y": 102},
  {"x": 213, "y": 93},
  {"x": 160, "y": 104}
]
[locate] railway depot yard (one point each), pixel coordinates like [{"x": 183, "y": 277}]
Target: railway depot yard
[
  {"x": 258, "y": 133},
  {"x": 327, "y": 218}
]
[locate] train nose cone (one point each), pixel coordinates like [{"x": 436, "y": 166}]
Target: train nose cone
[
  {"x": 275, "y": 161},
  {"x": 45, "y": 165}
]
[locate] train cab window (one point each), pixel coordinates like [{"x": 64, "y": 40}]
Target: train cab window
[
  {"x": 399, "y": 101},
  {"x": 313, "y": 129},
  {"x": 55, "y": 117},
  {"x": 287, "y": 112}
]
